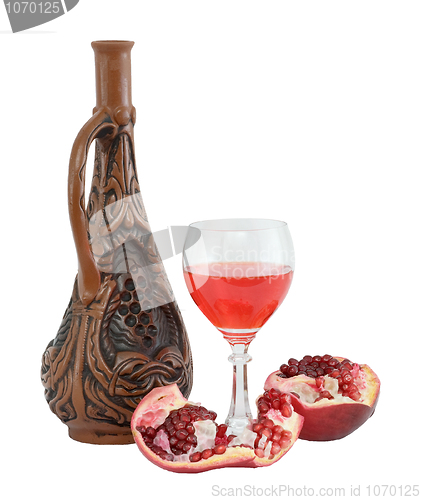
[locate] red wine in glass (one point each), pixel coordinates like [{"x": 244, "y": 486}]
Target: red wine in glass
[{"x": 238, "y": 297}]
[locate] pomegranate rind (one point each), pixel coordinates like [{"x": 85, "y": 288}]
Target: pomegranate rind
[
  {"x": 330, "y": 419},
  {"x": 155, "y": 407}
]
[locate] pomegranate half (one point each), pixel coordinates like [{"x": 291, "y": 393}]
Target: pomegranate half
[
  {"x": 334, "y": 395},
  {"x": 182, "y": 436}
]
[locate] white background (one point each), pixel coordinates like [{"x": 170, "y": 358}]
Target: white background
[{"x": 308, "y": 112}]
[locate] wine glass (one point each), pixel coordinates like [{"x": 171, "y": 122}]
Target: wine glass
[{"x": 238, "y": 272}]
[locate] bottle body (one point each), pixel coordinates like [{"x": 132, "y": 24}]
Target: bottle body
[{"x": 122, "y": 333}]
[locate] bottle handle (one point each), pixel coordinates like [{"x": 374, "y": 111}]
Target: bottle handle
[{"x": 89, "y": 279}]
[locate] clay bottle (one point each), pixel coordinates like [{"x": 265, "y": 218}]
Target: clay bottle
[{"x": 122, "y": 333}]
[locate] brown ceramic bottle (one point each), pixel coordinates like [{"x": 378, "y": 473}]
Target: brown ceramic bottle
[{"x": 122, "y": 333}]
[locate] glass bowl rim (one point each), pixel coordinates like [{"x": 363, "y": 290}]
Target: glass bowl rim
[{"x": 269, "y": 224}]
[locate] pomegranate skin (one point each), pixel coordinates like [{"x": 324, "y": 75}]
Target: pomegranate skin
[
  {"x": 328, "y": 420},
  {"x": 331, "y": 422},
  {"x": 154, "y": 408}
]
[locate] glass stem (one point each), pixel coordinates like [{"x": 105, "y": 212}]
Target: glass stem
[{"x": 239, "y": 415}]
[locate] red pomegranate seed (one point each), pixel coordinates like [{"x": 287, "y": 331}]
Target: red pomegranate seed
[
  {"x": 263, "y": 406},
  {"x": 319, "y": 381},
  {"x": 293, "y": 361},
  {"x": 179, "y": 445},
  {"x": 222, "y": 429},
  {"x": 284, "y": 442},
  {"x": 220, "y": 449},
  {"x": 355, "y": 395},
  {"x": 190, "y": 428},
  {"x": 307, "y": 359},
  {"x": 257, "y": 427},
  {"x": 181, "y": 434},
  {"x": 150, "y": 432},
  {"x": 292, "y": 370},
  {"x": 333, "y": 362},
  {"x": 259, "y": 453},
  {"x": 195, "y": 457},
  {"x": 207, "y": 454},
  {"x": 285, "y": 398},
  {"x": 317, "y": 358},
  {"x": 276, "y": 448},
  {"x": 325, "y": 394},
  {"x": 284, "y": 368},
  {"x": 286, "y": 410},
  {"x": 335, "y": 373},
  {"x": 311, "y": 373},
  {"x": 267, "y": 422},
  {"x": 191, "y": 438},
  {"x": 266, "y": 399},
  {"x": 276, "y": 404},
  {"x": 348, "y": 378},
  {"x": 318, "y": 399},
  {"x": 267, "y": 432},
  {"x": 326, "y": 357},
  {"x": 276, "y": 436}
]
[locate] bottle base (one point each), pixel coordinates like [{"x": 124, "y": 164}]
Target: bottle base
[{"x": 88, "y": 436}]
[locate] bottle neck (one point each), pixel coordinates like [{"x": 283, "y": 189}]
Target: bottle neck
[{"x": 113, "y": 74}]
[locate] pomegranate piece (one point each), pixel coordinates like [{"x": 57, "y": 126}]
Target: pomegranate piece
[
  {"x": 334, "y": 395},
  {"x": 181, "y": 436}
]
